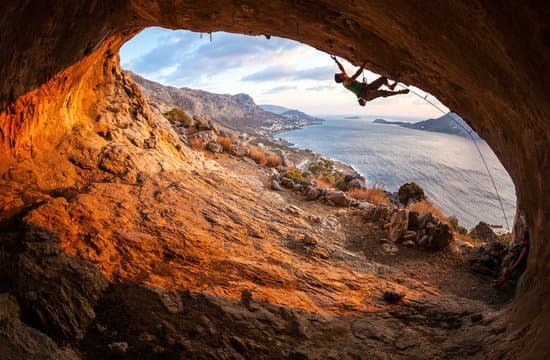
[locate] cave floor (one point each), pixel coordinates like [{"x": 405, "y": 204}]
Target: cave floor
[
  {"x": 155, "y": 255},
  {"x": 233, "y": 278}
]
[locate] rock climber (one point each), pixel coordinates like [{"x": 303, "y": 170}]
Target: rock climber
[
  {"x": 515, "y": 262},
  {"x": 365, "y": 92}
]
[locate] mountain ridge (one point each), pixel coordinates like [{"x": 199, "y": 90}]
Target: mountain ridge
[
  {"x": 237, "y": 112},
  {"x": 450, "y": 123}
]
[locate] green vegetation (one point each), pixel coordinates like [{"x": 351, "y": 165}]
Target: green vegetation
[
  {"x": 178, "y": 116},
  {"x": 324, "y": 169},
  {"x": 411, "y": 191},
  {"x": 295, "y": 175},
  {"x": 453, "y": 221}
]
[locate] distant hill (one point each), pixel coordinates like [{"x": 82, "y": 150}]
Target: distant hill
[
  {"x": 237, "y": 112},
  {"x": 450, "y": 123},
  {"x": 290, "y": 113},
  {"x": 298, "y": 115},
  {"x": 276, "y": 109},
  {"x": 388, "y": 122}
]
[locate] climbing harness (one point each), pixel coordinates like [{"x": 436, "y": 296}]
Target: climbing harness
[{"x": 449, "y": 114}]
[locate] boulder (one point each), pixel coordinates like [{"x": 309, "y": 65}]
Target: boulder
[
  {"x": 355, "y": 184},
  {"x": 442, "y": 236},
  {"x": 284, "y": 159},
  {"x": 410, "y": 235},
  {"x": 338, "y": 198},
  {"x": 483, "y": 231},
  {"x": 204, "y": 137},
  {"x": 436, "y": 236},
  {"x": 424, "y": 240},
  {"x": 381, "y": 213},
  {"x": 398, "y": 225},
  {"x": 275, "y": 185},
  {"x": 423, "y": 219},
  {"x": 312, "y": 193},
  {"x": 413, "y": 220},
  {"x": 309, "y": 240},
  {"x": 202, "y": 123},
  {"x": 389, "y": 248},
  {"x": 238, "y": 150},
  {"x": 287, "y": 183},
  {"x": 214, "y": 147},
  {"x": 273, "y": 173}
]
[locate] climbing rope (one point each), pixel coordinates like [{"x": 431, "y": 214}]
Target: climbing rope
[{"x": 469, "y": 131}]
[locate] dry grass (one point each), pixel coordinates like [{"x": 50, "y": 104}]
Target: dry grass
[
  {"x": 258, "y": 156},
  {"x": 426, "y": 206},
  {"x": 324, "y": 183},
  {"x": 196, "y": 143},
  {"x": 468, "y": 239},
  {"x": 273, "y": 160},
  {"x": 225, "y": 142},
  {"x": 374, "y": 195}
]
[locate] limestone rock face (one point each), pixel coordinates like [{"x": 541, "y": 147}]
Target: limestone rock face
[
  {"x": 19, "y": 341},
  {"x": 487, "y": 61}
]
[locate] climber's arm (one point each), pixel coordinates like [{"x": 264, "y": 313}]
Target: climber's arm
[
  {"x": 339, "y": 65},
  {"x": 358, "y": 72}
]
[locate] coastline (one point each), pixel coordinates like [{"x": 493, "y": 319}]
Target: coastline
[
  {"x": 301, "y": 157},
  {"x": 433, "y": 172}
]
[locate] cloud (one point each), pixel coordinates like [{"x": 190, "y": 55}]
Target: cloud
[
  {"x": 192, "y": 59},
  {"x": 281, "y": 72},
  {"x": 279, "y": 89},
  {"x": 323, "y": 88}
]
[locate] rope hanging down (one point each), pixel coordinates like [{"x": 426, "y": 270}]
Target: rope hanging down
[{"x": 469, "y": 131}]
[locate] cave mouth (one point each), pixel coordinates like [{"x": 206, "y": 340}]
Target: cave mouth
[
  {"x": 283, "y": 72},
  {"x": 476, "y": 63}
]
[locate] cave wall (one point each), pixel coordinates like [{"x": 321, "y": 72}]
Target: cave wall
[{"x": 486, "y": 61}]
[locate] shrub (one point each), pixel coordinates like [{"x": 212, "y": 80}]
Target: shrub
[
  {"x": 337, "y": 178},
  {"x": 374, "y": 195},
  {"x": 273, "y": 160},
  {"x": 453, "y": 222},
  {"x": 294, "y": 174},
  {"x": 178, "y": 116},
  {"x": 321, "y": 166},
  {"x": 258, "y": 156},
  {"x": 411, "y": 191},
  {"x": 325, "y": 172},
  {"x": 225, "y": 142}
]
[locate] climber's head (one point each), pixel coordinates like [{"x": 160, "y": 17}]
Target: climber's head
[{"x": 339, "y": 78}]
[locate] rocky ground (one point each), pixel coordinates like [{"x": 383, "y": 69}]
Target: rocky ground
[{"x": 141, "y": 247}]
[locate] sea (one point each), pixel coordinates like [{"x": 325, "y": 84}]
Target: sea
[{"x": 448, "y": 167}]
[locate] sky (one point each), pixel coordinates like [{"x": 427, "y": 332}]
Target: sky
[{"x": 273, "y": 71}]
